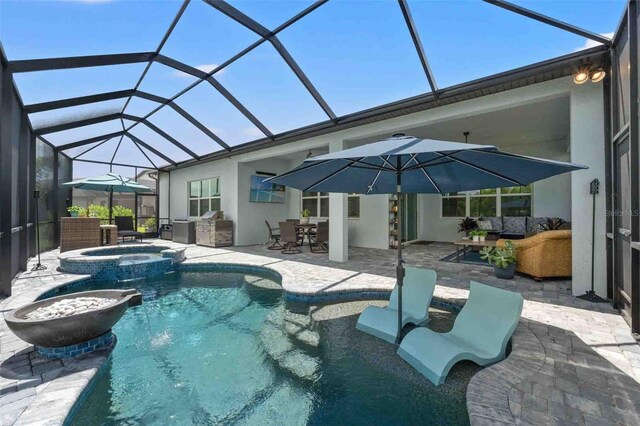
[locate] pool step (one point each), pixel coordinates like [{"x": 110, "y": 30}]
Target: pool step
[{"x": 281, "y": 337}]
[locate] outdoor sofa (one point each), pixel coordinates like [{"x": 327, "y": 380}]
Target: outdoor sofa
[{"x": 544, "y": 255}]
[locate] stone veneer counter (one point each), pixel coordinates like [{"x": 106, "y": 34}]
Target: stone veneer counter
[{"x": 542, "y": 380}]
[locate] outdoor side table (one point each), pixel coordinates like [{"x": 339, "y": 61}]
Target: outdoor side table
[{"x": 108, "y": 235}]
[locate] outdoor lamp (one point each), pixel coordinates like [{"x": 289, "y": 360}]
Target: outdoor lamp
[
  {"x": 597, "y": 75},
  {"x": 581, "y": 77}
]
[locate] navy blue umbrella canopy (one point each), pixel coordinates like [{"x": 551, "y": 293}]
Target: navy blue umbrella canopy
[
  {"x": 425, "y": 165},
  {"x": 405, "y": 164}
]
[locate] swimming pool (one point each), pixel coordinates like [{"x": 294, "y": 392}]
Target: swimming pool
[{"x": 222, "y": 348}]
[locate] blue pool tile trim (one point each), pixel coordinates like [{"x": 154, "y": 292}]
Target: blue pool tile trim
[{"x": 105, "y": 340}]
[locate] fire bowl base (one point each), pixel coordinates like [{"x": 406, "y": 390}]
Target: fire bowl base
[{"x": 105, "y": 340}]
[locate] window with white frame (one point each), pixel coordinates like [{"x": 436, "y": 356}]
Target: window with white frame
[
  {"x": 204, "y": 195},
  {"x": 318, "y": 204},
  {"x": 512, "y": 201},
  {"x": 353, "y": 206}
]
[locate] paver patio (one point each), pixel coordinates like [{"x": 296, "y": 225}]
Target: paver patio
[{"x": 573, "y": 362}]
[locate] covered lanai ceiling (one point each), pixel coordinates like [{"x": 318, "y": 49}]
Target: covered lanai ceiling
[{"x": 227, "y": 77}]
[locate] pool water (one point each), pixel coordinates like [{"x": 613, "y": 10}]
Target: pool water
[{"x": 221, "y": 348}]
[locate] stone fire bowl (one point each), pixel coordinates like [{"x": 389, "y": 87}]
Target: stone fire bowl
[{"x": 73, "y": 329}]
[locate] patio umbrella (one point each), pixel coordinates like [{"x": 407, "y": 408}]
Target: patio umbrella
[
  {"x": 405, "y": 164},
  {"x": 111, "y": 182}
]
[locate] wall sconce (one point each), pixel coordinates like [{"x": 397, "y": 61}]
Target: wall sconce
[{"x": 597, "y": 75}]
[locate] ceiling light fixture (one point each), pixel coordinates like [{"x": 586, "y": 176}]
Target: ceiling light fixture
[
  {"x": 597, "y": 75},
  {"x": 582, "y": 76}
]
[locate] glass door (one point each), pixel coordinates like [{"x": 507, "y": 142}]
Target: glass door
[{"x": 410, "y": 214}]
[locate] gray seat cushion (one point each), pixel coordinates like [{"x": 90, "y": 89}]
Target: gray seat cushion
[
  {"x": 514, "y": 224},
  {"x": 533, "y": 224}
]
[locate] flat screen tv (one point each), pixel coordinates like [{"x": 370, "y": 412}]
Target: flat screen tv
[{"x": 265, "y": 192}]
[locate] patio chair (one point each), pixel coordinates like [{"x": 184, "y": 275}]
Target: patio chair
[
  {"x": 480, "y": 334},
  {"x": 417, "y": 292},
  {"x": 299, "y": 231},
  {"x": 125, "y": 228},
  {"x": 289, "y": 237},
  {"x": 319, "y": 240},
  {"x": 274, "y": 237}
]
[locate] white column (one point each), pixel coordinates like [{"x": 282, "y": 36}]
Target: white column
[
  {"x": 338, "y": 221},
  {"x": 587, "y": 148}
]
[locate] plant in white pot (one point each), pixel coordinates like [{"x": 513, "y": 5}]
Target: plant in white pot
[
  {"x": 503, "y": 260},
  {"x": 482, "y": 234},
  {"x": 305, "y": 214},
  {"x": 475, "y": 235}
]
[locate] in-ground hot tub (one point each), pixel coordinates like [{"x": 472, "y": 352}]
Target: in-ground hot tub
[{"x": 121, "y": 262}]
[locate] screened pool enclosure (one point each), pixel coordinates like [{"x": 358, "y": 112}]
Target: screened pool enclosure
[{"x": 145, "y": 88}]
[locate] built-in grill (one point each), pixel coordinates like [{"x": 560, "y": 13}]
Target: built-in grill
[{"x": 213, "y": 231}]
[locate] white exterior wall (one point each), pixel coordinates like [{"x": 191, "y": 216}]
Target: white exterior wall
[
  {"x": 587, "y": 147},
  {"x": 550, "y": 197},
  {"x": 250, "y": 225}
]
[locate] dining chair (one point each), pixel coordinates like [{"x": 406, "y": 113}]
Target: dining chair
[
  {"x": 274, "y": 237},
  {"x": 289, "y": 237}
]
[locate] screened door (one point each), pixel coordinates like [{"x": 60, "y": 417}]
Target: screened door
[{"x": 622, "y": 225}]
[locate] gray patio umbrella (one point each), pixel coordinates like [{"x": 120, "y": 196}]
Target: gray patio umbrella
[
  {"x": 405, "y": 164},
  {"x": 111, "y": 182}
]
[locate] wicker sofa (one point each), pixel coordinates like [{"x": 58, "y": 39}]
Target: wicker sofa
[{"x": 544, "y": 255}]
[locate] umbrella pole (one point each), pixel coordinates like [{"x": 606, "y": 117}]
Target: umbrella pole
[
  {"x": 110, "y": 205},
  {"x": 399, "y": 266}
]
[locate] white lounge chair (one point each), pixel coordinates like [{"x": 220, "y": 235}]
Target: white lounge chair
[
  {"x": 417, "y": 292},
  {"x": 480, "y": 334}
]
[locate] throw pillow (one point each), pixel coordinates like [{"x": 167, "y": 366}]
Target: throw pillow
[{"x": 485, "y": 225}]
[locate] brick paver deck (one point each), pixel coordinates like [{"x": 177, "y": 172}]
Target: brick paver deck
[{"x": 573, "y": 362}]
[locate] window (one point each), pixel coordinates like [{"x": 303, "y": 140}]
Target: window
[
  {"x": 204, "y": 195},
  {"x": 512, "y": 201},
  {"x": 454, "y": 204},
  {"x": 353, "y": 206},
  {"x": 516, "y": 201},
  {"x": 318, "y": 204}
]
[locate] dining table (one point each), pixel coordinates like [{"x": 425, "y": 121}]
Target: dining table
[{"x": 306, "y": 229}]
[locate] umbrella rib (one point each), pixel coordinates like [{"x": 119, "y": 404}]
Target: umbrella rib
[
  {"x": 374, "y": 166},
  {"x": 419, "y": 165},
  {"x": 375, "y": 179},
  {"x": 324, "y": 179},
  {"x": 393, "y": 168},
  {"x": 429, "y": 177},
  {"x": 413, "y": 158},
  {"x": 290, "y": 172},
  {"x": 482, "y": 169}
]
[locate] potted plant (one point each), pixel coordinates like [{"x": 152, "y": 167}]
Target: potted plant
[
  {"x": 503, "y": 260},
  {"x": 74, "y": 211},
  {"x": 305, "y": 214},
  {"x": 467, "y": 224},
  {"x": 482, "y": 234},
  {"x": 474, "y": 234}
]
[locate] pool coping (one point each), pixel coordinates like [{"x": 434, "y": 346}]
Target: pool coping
[{"x": 487, "y": 393}]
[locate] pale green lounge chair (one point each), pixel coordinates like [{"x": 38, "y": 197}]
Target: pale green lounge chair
[
  {"x": 480, "y": 334},
  {"x": 417, "y": 292}
]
